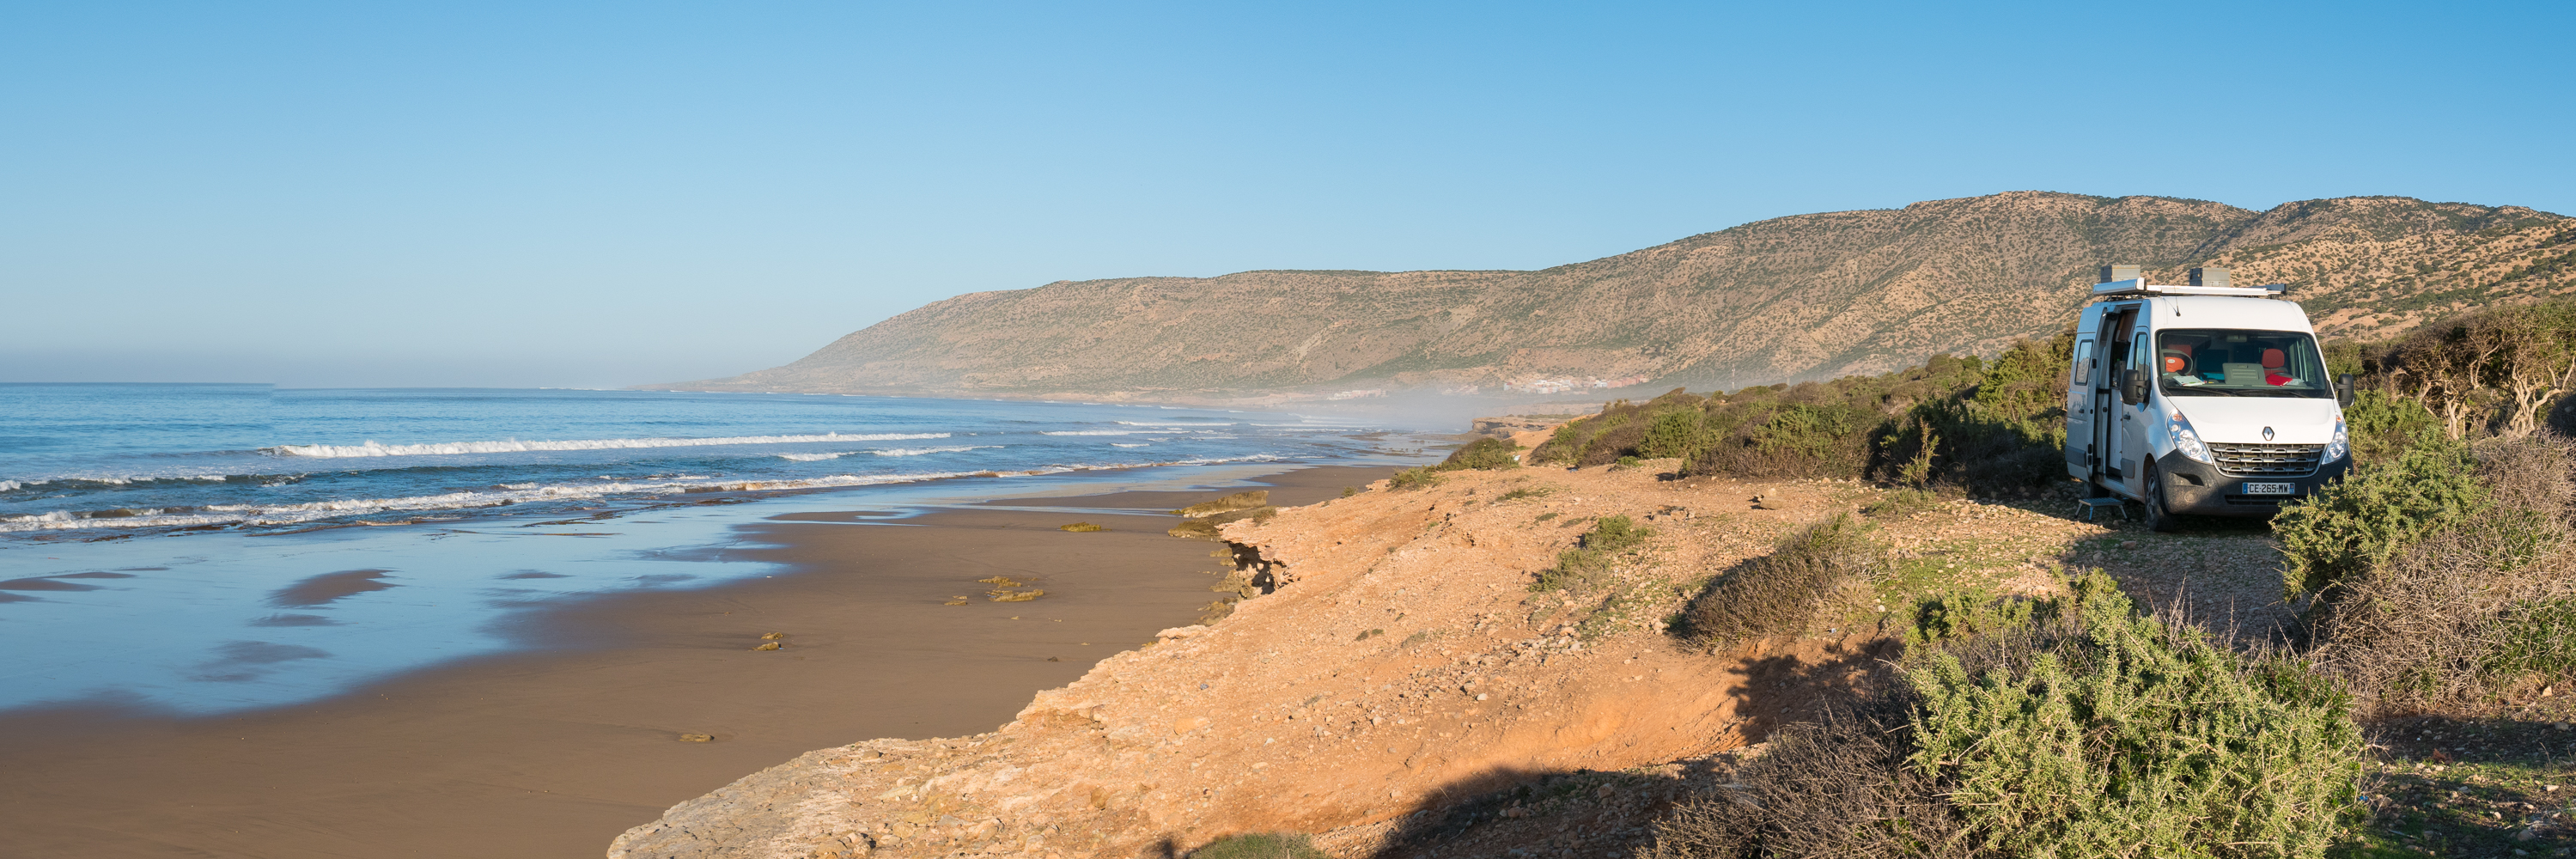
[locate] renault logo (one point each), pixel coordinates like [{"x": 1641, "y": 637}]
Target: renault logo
[{"x": 2267, "y": 433}]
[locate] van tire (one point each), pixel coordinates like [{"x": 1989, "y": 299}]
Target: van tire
[{"x": 2158, "y": 517}]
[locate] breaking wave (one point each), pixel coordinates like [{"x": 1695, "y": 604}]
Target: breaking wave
[
  {"x": 515, "y": 446},
  {"x": 917, "y": 451},
  {"x": 59, "y": 484},
  {"x": 891, "y": 451},
  {"x": 512, "y": 494}
]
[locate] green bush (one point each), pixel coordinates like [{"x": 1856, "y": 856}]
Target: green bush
[
  {"x": 1657, "y": 427},
  {"x": 1565, "y": 445},
  {"x": 2065, "y": 727},
  {"x": 1487, "y": 454},
  {"x": 1957, "y": 420},
  {"x": 1260, "y": 845},
  {"x": 1616, "y": 534},
  {"x": 1802, "y": 433},
  {"x": 1414, "y": 478},
  {"x": 2376, "y": 511},
  {"x": 1673, "y": 433},
  {"x": 2008, "y": 432},
  {"x": 1594, "y": 553},
  {"x": 2382, "y": 428},
  {"x": 1807, "y": 431},
  {"x": 2091, "y": 731},
  {"x": 1779, "y": 593},
  {"x": 2465, "y": 617}
]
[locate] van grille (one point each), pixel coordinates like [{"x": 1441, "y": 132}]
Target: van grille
[{"x": 2267, "y": 460}]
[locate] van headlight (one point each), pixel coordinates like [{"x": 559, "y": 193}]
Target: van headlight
[
  {"x": 2342, "y": 444},
  {"x": 2184, "y": 439}
]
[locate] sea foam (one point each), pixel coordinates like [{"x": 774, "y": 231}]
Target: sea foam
[
  {"x": 891, "y": 451},
  {"x": 515, "y": 446},
  {"x": 289, "y": 514}
]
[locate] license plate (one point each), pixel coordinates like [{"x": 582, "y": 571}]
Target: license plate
[{"x": 2270, "y": 488}]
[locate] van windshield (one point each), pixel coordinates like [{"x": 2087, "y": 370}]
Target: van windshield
[{"x": 2221, "y": 362}]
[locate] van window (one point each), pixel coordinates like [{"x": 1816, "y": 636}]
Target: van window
[
  {"x": 2221, "y": 362},
  {"x": 2082, "y": 375}
]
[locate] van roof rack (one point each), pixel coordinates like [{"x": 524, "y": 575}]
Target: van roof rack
[{"x": 2140, "y": 286}]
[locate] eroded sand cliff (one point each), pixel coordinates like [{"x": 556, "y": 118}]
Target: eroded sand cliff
[{"x": 1401, "y": 674}]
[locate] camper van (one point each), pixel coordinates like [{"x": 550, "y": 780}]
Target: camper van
[{"x": 2204, "y": 398}]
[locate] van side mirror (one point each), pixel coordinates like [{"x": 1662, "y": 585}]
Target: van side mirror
[
  {"x": 2133, "y": 386},
  {"x": 2343, "y": 390}
]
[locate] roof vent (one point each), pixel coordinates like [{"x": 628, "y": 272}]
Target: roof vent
[
  {"x": 2209, "y": 277},
  {"x": 2112, "y": 273}
]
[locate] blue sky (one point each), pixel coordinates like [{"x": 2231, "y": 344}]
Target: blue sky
[{"x": 604, "y": 194}]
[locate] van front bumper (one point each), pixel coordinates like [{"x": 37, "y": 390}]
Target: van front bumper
[{"x": 2198, "y": 488}]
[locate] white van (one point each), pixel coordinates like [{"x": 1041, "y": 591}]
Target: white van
[{"x": 2201, "y": 399}]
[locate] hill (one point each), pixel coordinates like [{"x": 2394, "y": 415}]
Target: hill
[{"x": 1795, "y": 298}]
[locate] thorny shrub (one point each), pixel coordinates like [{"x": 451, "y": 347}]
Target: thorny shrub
[
  {"x": 1779, "y": 593},
  {"x": 2485, "y": 605},
  {"x": 1424, "y": 477},
  {"x": 2092, "y": 731},
  {"x": 2376, "y": 511},
  {"x": 2071, "y": 727},
  {"x": 1594, "y": 553},
  {"x": 1840, "y": 787},
  {"x": 2382, "y": 428},
  {"x": 1487, "y": 454}
]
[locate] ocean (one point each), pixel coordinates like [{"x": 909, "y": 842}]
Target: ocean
[{"x": 201, "y": 549}]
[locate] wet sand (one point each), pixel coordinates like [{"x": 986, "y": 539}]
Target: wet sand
[{"x": 554, "y": 751}]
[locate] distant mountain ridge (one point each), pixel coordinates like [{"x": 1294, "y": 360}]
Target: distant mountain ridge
[{"x": 1799, "y": 297}]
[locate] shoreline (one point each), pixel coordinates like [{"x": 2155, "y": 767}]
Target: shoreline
[{"x": 555, "y": 751}]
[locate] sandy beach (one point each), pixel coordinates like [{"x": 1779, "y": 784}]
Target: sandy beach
[{"x": 554, "y": 751}]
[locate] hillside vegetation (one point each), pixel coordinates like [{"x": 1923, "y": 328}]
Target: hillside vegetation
[
  {"x": 1805, "y": 297},
  {"x": 2436, "y": 588},
  {"x": 1960, "y": 423}
]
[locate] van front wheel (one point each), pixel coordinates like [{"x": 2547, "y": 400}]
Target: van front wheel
[{"x": 2158, "y": 518}]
